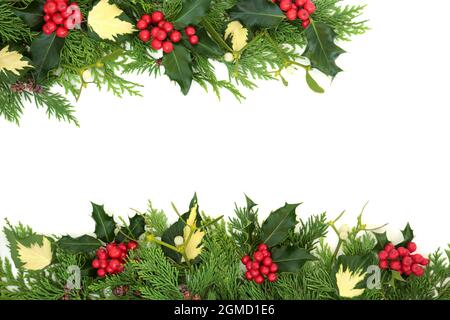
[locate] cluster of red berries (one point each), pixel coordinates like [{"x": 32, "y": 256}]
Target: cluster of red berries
[
  {"x": 111, "y": 259},
  {"x": 60, "y": 17},
  {"x": 261, "y": 266},
  {"x": 402, "y": 260},
  {"x": 300, "y": 9},
  {"x": 162, "y": 33}
]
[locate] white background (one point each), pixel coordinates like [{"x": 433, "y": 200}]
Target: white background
[{"x": 380, "y": 133}]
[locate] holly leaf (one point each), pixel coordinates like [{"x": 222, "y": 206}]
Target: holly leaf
[
  {"x": 108, "y": 21},
  {"x": 382, "y": 240},
  {"x": 290, "y": 258},
  {"x": 321, "y": 49},
  {"x": 408, "y": 236},
  {"x": 192, "y": 13},
  {"x": 33, "y": 14},
  {"x": 312, "y": 83},
  {"x": 135, "y": 229},
  {"x": 178, "y": 66},
  {"x": 277, "y": 226},
  {"x": 257, "y": 13},
  {"x": 206, "y": 47},
  {"x": 104, "y": 224},
  {"x": 83, "y": 244},
  {"x": 45, "y": 54}
]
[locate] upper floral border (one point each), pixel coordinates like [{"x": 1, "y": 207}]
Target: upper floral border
[{"x": 49, "y": 43}]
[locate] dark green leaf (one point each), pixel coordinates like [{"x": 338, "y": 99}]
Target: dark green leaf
[
  {"x": 178, "y": 66},
  {"x": 133, "y": 230},
  {"x": 408, "y": 236},
  {"x": 206, "y": 47},
  {"x": 33, "y": 15},
  {"x": 81, "y": 244},
  {"x": 312, "y": 84},
  {"x": 290, "y": 258},
  {"x": 250, "y": 203},
  {"x": 355, "y": 263},
  {"x": 104, "y": 224},
  {"x": 382, "y": 240},
  {"x": 257, "y": 13},
  {"x": 45, "y": 52},
  {"x": 192, "y": 13},
  {"x": 321, "y": 49},
  {"x": 277, "y": 226}
]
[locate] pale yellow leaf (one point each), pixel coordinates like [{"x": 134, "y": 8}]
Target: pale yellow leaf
[
  {"x": 238, "y": 35},
  {"x": 35, "y": 257},
  {"x": 104, "y": 21},
  {"x": 192, "y": 236},
  {"x": 347, "y": 281},
  {"x": 12, "y": 61}
]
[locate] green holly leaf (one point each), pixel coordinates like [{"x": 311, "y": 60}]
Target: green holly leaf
[
  {"x": 178, "y": 66},
  {"x": 192, "y": 12},
  {"x": 290, "y": 258},
  {"x": 83, "y": 244},
  {"x": 257, "y": 13},
  {"x": 250, "y": 203},
  {"x": 134, "y": 230},
  {"x": 408, "y": 236},
  {"x": 45, "y": 53},
  {"x": 277, "y": 226},
  {"x": 33, "y": 14},
  {"x": 206, "y": 47},
  {"x": 104, "y": 224},
  {"x": 312, "y": 83},
  {"x": 321, "y": 49},
  {"x": 382, "y": 240}
]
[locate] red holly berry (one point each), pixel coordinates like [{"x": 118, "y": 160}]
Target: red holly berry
[
  {"x": 61, "y": 6},
  {"x": 303, "y": 14},
  {"x": 101, "y": 254},
  {"x": 417, "y": 270},
  {"x": 264, "y": 270},
  {"x": 291, "y": 14},
  {"x": 248, "y": 275},
  {"x": 142, "y": 24},
  {"x": 285, "y": 5},
  {"x": 132, "y": 245},
  {"x": 403, "y": 252},
  {"x": 272, "y": 277},
  {"x": 273, "y": 268},
  {"x": 254, "y": 273},
  {"x": 190, "y": 31},
  {"x": 114, "y": 252},
  {"x": 167, "y": 26},
  {"x": 407, "y": 261},
  {"x": 393, "y": 254},
  {"x": 110, "y": 269},
  {"x": 103, "y": 263},
  {"x": 156, "y": 44},
  {"x": 255, "y": 265},
  {"x": 57, "y": 18},
  {"x": 101, "y": 273},
  {"x": 259, "y": 279},
  {"x": 50, "y": 8},
  {"x": 300, "y": 3},
  {"x": 411, "y": 246},
  {"x": 417, "y": 258},
  {"x": 167, "y": 47},
  {"x": 382, "y": 255},
  {"x": 147, "y": 18},
  {"x": 396, "y": 265},
  {"x": 175, "y": 36},
  {"x": 122, "y": 247},
  {"x": 406, "y": 268},
  {"x": 157, "y": 16},
  {"x": 258, "y": 256},
  {"x": 306, "y": 23},
  {"x": 310, "y": 7},
  {"x": 389, "y": 247},
  {"x": 263, "y": 247},
  {"x": 425, "y": 262},
  {"x": 267, "y": 261},
  {"x": 95, "y": 264},
  {"x": 47, "y": 18},
  {"x": 383, "y": 264},
  {"x": 161, "y": 35},
  {"x": 193, "y": 40},
  {"x": 248, "y": 266},
  {"x": 161, "y": 24},
  {"x": 115, "y": 264},
  {"x": 155, "y": 31}
]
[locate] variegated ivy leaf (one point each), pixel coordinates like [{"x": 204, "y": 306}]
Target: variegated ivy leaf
[
  {"x": 36, "y": 256},
  {"x": 12, "y": 61},
  {"x": 192, "y": 236},
  {"x": 105, "y": 20},
  {"x": 238, "y": 34}
]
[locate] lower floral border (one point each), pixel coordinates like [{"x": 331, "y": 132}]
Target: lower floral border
[{"x": 282, "y": 258}]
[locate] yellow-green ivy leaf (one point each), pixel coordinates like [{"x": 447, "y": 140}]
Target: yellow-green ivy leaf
[
  {"x": 35, "y": 257},
  {"x": 192, "y": 236},
  {"x": 104, "y": 20},
  {"x": 12, "y": 61},
  {"x": 239, "y": 35},
  {"x": 347, "y": 280}
]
